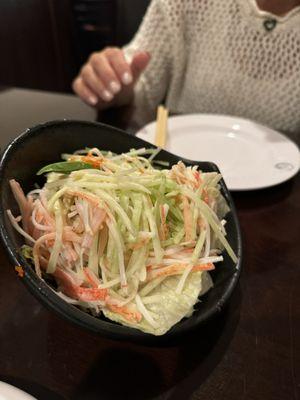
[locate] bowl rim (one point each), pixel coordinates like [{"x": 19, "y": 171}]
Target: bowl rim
[{"x": 41, "y": 290}]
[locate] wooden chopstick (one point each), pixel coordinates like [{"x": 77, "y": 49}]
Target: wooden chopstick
[{"x": 161, "y": 127}]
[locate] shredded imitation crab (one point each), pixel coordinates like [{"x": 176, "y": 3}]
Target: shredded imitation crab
[{"x": 112, "y": 229}]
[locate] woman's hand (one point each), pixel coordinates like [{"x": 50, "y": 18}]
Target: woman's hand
[{"x": 107, "y": 79}]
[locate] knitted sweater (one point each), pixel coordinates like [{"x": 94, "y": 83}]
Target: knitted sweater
[{"x": 217, "y": 56}]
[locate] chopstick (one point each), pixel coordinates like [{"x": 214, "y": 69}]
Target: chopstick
[{"x": 161, "y": 127}]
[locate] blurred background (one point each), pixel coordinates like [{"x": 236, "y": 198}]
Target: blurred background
[{"x": 43, "y": 43}]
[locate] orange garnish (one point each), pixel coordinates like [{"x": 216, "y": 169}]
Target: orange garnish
[{"x": 20, "y": 271}]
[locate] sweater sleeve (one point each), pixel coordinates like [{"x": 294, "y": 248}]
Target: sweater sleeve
[{"x": 153, "y": 36}]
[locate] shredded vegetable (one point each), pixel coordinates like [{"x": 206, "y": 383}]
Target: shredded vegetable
[{"x": 123, "y": 238}]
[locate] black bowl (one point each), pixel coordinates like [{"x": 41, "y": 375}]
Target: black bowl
[{"x": 44, "y": 144}]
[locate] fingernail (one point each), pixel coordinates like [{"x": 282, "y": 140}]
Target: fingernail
[
  {"x": 115, "y": 86},
  {"x": 93, "y": 100},
  {"x": 107, "y": 96},
  {"x": 146, "y": 53},
  {"x": 127, "y": 78}
]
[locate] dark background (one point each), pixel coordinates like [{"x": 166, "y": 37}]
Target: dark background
[{"x": 43, "y": 43}]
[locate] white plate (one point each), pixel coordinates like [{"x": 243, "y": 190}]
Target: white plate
[
  {"x": 250, "y": 156},
  {"x": 8, "y": 392}
]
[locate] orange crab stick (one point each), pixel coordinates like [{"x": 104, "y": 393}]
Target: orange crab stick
[
  {"x": 75, "y": 291},
  {"x": 175, "y": 269},
  {"x": 126, "y": 313}
]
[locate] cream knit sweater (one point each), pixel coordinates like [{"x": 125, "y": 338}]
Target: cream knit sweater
[{"x": 220, "y": 56}]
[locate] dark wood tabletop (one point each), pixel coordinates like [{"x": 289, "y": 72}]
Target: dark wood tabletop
[{"x": 250, "y": 351}]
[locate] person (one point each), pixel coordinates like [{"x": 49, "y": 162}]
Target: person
[{"x": 236, "y": 57}]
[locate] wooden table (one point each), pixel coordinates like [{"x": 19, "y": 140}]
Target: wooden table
[{"x": 251, "y": 351}]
